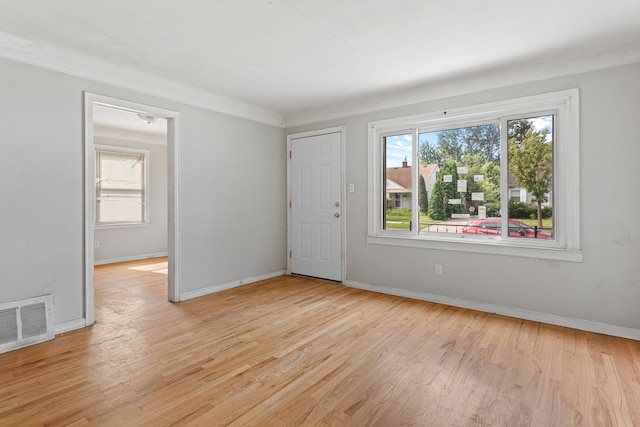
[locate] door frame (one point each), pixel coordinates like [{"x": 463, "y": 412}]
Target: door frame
[
  {"x": 343, "y": 146},
  {"x": 173, "y": 126}
]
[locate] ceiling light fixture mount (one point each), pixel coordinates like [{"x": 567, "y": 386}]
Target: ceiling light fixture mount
[{"x": 147, "y": 118}]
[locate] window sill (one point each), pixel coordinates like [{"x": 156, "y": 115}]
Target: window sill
[{"x": 492, "y": 247}]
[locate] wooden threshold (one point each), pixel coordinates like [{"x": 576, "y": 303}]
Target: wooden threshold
[{"x": 298, "y": 351}]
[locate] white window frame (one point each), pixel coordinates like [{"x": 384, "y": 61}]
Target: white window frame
[
  {"x": 145, "y": 200},
  {"x": 566, "y": 243}
]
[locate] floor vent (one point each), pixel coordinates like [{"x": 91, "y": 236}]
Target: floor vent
[{"x": 25, "y": 322}]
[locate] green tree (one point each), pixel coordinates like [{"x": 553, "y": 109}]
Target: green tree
[
  {"x": 491, "y": 182},
  {"x": 449, "y": 189},
  {"x": 486, "y": 140},
  {"x": 437, "y": 207},
  {"x": 474, "y": 163},
  {"x": 451, "y": 145},
  {"x": 461, "y": 143},
  {"x": 429, "y": 154},
  {"x": 423, "y": 197},
  {"x": 531, "y": 160}
]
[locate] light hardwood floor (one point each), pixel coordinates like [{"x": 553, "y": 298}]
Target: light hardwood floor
[{"x": 297, "y": 351}]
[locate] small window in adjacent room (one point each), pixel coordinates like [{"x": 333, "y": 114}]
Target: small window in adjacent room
[
  {"x": 121, "y": 186},
  {"x": 493, "y": 178}
]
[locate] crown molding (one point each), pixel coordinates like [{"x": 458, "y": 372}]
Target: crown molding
[
  {"x": 60, "y": 59},
  {"x": 472, "y": 81}
]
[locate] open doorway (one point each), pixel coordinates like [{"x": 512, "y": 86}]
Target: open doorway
[
  {"x": 131, "y": 185},
  {"x": 130, "y": 194}
]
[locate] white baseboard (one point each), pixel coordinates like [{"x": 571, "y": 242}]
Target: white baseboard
[
  {"x": 223, "y": 286},
  {"x": 129, "y": 258},
  {"x": 552, "y": 319},
  {"x": 71, "y": 325}
]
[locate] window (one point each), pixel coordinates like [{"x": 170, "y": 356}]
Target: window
[
  {"x": 514, "y": 194},
  {"x": 494, "y": 178},
  {"x": 121, "y": 186}
]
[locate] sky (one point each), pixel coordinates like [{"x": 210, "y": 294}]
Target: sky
[{"x": 399, "y": 146}]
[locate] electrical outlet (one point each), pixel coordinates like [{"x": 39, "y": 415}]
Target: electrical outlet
[
  {"x": 438, "y": 269},
  {"x": 96, "y": 244}
]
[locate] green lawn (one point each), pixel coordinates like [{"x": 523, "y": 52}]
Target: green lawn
[
  {"x": 547, "y": 223},
  {"x": 399, "y": 219}
]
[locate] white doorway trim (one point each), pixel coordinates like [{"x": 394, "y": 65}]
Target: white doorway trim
[
  {"x": 173, "y": 125},
  {"x": 343, "y": 135}
]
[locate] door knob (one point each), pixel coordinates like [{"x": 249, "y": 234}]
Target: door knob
[{"x": 337, "y": 214}]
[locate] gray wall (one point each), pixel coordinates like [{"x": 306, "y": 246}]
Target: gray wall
[
  {"x": 604, "y": 288},
  {"x": 232, "y": 186},
  {"x": 137, "y": 242},
  {"x": 232, "y": 199},
  {"x": 232, "y": 180}
]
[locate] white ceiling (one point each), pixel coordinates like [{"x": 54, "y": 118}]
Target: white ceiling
[{"x": 277, "y": 60}]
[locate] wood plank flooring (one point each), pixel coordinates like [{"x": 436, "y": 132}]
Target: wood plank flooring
[{"x": 296, "y": 351}]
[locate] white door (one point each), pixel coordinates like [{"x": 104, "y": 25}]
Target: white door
[{"x": 316, "y": 211}]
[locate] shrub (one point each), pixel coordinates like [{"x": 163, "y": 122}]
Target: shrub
[
  {"x": 522, "y": 210},
  {"x": 437, "y": 209},
  {"x": 493, "y": 210}
]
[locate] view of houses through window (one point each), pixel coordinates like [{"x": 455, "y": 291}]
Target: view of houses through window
[{"x": 459, "y": 179}]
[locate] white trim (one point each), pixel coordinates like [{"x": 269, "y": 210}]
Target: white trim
[
  {"x": 229, "y": 285},
  {"x": 468, "y": 83},
  {"x": 535, "y": 316},
  {"x": 122, "y": 225},
  {"x": 343, "y": 165},
  {"x": 108, "y": 132},
  {"x": 64, "y": 60},
  {"x": 565, "y": 246},
  {"x": 121, "y": 149},
  {"x": 130, "y": 258},
  {"x": 478, "y": 113},
  {"x": 60, "y": 59},
  {"x": 91, "y": 99},
  {"x": 469, "y": 244},
  {"x": 89, "y": 209},
  {"x": 70, "y": 325},
  {"x": 173, "y": 192}
]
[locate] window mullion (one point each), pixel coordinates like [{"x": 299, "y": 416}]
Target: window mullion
[
  {"x": 98, "y": 186},
  {"x": 415, "y": 199},
  {"x": 504, "y": 178}
]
